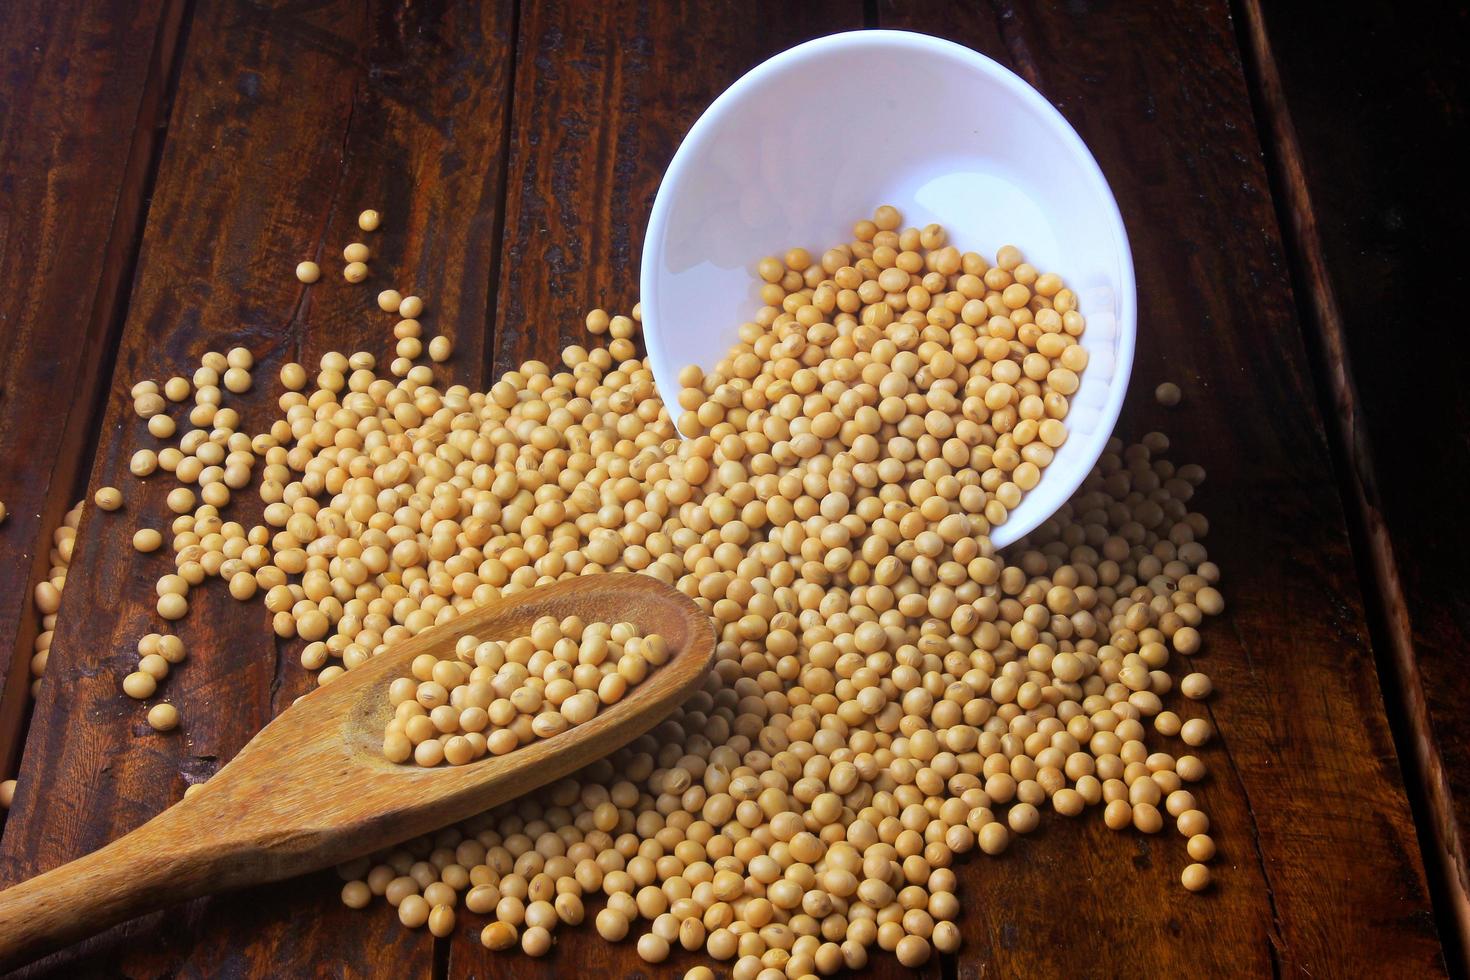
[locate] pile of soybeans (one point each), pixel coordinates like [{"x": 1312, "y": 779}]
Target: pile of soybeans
[
  {"x": 492, "y": 697},
  {"x": 889, "y": 693}
]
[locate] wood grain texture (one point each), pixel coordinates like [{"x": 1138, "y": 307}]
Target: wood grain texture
[
  {"x": 313, "y": 788},
  {"x": 83, "y": 88},
  {"x": 604, "y": 93},
  {"x": 1304, "y": 773},
  {"x": 1366, "y": 229},
  {"x": 288, "y": 121}
]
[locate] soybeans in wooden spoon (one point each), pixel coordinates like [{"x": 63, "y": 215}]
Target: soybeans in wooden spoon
[{"x": 314, "y": 789}]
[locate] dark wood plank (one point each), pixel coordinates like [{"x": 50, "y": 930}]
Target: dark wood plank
[
  {"x": 1365, "y": 229},
  {"x": 83, "y": 88},
  {"x": 288, "y": 122},
  {"x": 1319, "y": 870}
]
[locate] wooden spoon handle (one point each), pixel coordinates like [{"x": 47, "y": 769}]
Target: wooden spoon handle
[{"x": 157, "y": 865}]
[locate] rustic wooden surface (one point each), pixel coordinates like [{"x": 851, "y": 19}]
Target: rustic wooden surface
[
  {"x": 1367, "y": 233},
  {"x": 82, "y": 92},
  {"x": 515, "y": 149},
  {"x": 285, "y": 125}
]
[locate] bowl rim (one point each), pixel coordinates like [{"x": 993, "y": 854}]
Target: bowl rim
[{"x": 1127, "y": 321}]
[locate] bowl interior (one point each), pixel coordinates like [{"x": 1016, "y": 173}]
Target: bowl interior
[{"x": 817, "y": 137}]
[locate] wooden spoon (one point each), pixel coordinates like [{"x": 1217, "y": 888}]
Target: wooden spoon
[{"x": 313, "y": 789}]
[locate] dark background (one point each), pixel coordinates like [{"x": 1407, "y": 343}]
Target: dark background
[{"x": 1377, "y": 93}]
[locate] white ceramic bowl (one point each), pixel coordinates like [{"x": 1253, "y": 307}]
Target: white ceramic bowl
[{"x": 818, "y": 136}]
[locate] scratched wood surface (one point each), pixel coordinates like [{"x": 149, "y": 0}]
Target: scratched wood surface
[
  {"x": 286, "y": 123},
  {"x": 82, "y": 90},
  {"x": 1370, "y": 231},
  {"x": 515, "y": 149}
]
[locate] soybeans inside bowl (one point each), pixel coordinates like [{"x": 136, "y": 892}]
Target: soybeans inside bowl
[{"x": 961, "y": 142}]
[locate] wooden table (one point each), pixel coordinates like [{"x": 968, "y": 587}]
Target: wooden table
[{"x": 164, "y": 164}]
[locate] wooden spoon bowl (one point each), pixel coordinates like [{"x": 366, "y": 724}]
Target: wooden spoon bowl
[{"x": 313, "y": 788}]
